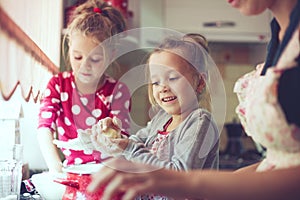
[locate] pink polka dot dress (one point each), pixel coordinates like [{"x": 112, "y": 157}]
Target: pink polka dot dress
[{"x": 64, "y": 110}]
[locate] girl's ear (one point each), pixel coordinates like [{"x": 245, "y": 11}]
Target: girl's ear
[{"x": 201, "y": 83}]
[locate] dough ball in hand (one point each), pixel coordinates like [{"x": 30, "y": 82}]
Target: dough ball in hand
[{"x": 112, "y": 133}]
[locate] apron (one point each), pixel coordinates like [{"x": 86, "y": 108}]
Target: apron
[{"x": 269, "y": 97}]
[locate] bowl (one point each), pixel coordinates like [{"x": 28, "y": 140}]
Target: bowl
[{"x": 46, "y": 187}]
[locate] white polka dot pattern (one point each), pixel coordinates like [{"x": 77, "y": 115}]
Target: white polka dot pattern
[
  {"x": 66, "y": 74},
  {"x": 78, "y": 161},
  {"x": 64, "y": 96},
  {"x": 53, "y": 125},
  {"x": 60, "y": 130},
  {"x": 73, "y": 85},
  {"x": 47, "y": 92},
  {"x": 127, "y": 104},
  {"x": 54, "y": 100},
  {"x": 127, "y": 121},
  {"x": 67, "y": 152},
  {"x": 90, "y": 121},
  {"x": 46, "y": 115},
  {"x": 67, "y": 121},
  {"x": 57, "y": 88},
  {"x": 97, "y": 113},
  {"x": 115, "y": 112},
  {"x": 118, "y": 95},
  {"x": 109, "y": 98},
  {"x": 84, "y": 100},
  {"x": 75, "y": 109},
  {"x": 66, "y": 110}
]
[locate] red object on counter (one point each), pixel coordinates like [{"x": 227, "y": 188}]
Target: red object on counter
[{"x": 77, "y": 187}]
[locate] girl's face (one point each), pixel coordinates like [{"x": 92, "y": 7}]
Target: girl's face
[
  {"x": 251, "y": 7},
  {"x": 173, "y": 83},
  {"x": 87, "y": 59}
]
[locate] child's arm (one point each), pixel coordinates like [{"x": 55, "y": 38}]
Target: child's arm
[
  {"x": 49, "y": 150},
  {"x": 45, "y": 133}
]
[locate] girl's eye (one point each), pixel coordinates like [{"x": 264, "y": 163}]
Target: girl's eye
[
  {"x": 77, "y": 57},
  {"x": 173, "y": 78},
  {"x": 155, "y": 83},
  {"x": 96, "y": 59}
]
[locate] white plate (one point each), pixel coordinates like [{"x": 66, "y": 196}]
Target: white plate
[{"x": 83, "y": 169}]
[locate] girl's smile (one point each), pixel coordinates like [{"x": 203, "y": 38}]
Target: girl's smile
[
  {"x": 173, "y": 84},
  {"x": 170, "y": 99}
]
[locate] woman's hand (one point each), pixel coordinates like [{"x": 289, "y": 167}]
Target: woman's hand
[{"x": 124, "y": 177}]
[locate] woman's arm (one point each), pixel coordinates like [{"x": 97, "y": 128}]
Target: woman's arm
[
  {"x": 275, "y": 185},
  {"x": 49, "y": 150},
  {"x": 207, "y": 184},
  {"x": 249, "y": 168}
]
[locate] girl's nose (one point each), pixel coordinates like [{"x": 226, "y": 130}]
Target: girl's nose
[
  {"x": 86, "y": 63},
  {"x": 164, "y": 87}
]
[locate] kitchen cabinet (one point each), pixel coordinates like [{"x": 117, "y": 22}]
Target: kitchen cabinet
[{"x": 215, "y": 19}]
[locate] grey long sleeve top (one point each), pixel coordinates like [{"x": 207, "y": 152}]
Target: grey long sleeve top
[{"x": 194, "y": 144}]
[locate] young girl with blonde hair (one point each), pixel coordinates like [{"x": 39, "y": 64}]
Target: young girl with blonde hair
[{"x": 75, "y": 100}]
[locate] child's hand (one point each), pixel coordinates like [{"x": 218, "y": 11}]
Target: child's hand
[
  {"x": 109, "y": 144},
  {"x": 110, "y": 127},
  {"x": 82, "y": 142}
]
